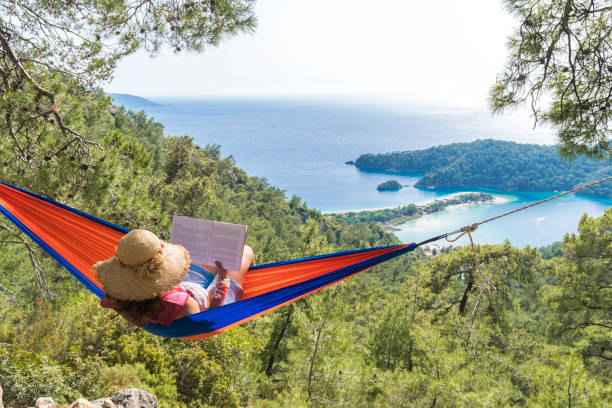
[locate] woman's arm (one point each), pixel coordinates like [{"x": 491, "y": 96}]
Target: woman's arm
[{"x": 191, "y": 307}]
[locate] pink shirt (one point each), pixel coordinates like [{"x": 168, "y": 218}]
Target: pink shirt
[{"x": 170, "y": 305}]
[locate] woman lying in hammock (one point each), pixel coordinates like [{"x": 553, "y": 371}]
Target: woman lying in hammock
[{"x": 145, "y": 281}]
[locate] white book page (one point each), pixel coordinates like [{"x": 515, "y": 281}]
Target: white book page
[
  {"x": 210, "y": 241},
  {"x": 227, "y": 244},
  {"x": 194, "y": 234}
]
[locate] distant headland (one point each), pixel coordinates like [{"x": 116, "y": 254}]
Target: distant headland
[
  {"x": 132, "y": 101},
  {"x": 494, "y": 164}
]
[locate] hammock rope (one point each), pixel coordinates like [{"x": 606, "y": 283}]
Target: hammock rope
[{"x": 468, "y": 230}]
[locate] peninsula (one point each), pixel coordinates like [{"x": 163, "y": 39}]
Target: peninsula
[
  {"x": 391, "y": 216},
  {"x": 495, "y": 164}
]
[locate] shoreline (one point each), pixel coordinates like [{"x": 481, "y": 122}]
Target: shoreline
[{"x": 497, "y": 199}]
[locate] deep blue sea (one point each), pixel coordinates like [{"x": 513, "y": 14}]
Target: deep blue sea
[{"x": 301, "y": 144}]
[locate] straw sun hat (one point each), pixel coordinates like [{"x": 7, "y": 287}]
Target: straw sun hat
[{"x": 143, "y": 268}]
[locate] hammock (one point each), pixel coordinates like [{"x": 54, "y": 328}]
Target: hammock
[{"x": 78, "y": 240}]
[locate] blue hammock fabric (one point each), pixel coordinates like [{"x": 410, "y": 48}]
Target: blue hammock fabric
[{"x": 78, "y": 240}]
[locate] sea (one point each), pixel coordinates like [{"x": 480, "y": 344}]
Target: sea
[{"x": 301, "y": 145}]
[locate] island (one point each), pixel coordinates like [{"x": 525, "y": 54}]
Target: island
[
  {"x": 389, "y": 217},
  {"x": 389, "y": 185},
  {"x": 495, "y": 164}
]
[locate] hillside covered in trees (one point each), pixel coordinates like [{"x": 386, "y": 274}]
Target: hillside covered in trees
[
  {"x": 496, "y": 164},
  {"x": 412, "y": 331}
]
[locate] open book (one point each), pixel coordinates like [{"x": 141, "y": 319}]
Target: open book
[{"x": 210, "y": 241}]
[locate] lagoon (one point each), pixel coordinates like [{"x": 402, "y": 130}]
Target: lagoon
[{"x": 301, "y": 144}]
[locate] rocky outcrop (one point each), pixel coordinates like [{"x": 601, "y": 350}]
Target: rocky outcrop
[
  {"x": 82, "y": 403},
  {"x": 45, "y": 402},
  {"x": 134, "y": 398},
  {"x": 104, "y": 403},
  {"x": 129, "y": 398}
]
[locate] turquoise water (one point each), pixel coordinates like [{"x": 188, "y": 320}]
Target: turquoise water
[{"x": 300, "y": 145}]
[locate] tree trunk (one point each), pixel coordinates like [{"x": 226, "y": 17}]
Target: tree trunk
[
  {"x": 390, "y": 342},
  {"x": 279, "y": 338},
  {"x": 466, "y": 293},
  {"x": 410, "y": 357},
  {"x": 318, "y": 331}
]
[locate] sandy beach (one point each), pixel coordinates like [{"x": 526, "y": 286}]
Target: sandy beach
[{"x": 497, "y": 199}]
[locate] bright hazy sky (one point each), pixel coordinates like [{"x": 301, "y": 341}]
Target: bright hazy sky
[{"x": 439, "y": 51}]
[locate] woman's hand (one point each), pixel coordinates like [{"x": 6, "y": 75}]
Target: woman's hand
[
  {"x": 218, "y": 292},
  {"x": 221, "y": 271}
]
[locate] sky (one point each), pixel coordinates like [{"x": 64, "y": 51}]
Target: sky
[{"x": 445, "y": 51}]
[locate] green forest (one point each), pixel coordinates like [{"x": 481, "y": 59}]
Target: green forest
[
  {"x": 496, "y": 164},
  {"x": 412, "y": 332}
]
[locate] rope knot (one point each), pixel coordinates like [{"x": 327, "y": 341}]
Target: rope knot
[{"x": 469, "y": 228}]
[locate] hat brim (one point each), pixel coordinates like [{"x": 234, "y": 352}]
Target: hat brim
[{"x": 127, "y": 282}]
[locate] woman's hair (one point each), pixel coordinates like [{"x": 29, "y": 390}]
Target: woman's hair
[{"x": 136, "y": 312}]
